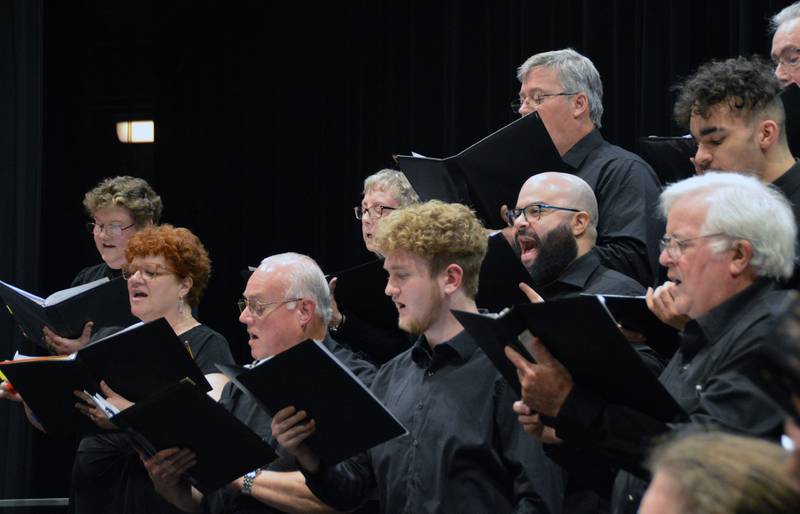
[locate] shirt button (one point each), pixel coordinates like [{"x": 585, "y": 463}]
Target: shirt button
[
  {"x": 429, "y": 373},
  {"x": 419, "y": 406},
  {"x": 699, "y": 387},
  {"x": 685, "y": 367},
  {"x": 630, "y": 498},
  {"x": 414, "y": 443}
]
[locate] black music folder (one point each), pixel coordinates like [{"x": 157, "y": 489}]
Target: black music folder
[
  {"x": 776, "y": 366},
  {"x": 580, "y": 333},
  {"x": 501, "y": 273},
  {"x": 669, "y": 156},
  {"x": 135, "y": 362},
  {"x": 360, "y": 290},
  {"x": 103, "y": 301},
  {"x": 489, "y": 173},
  {"x": 349, "y": 418},
  {"x": 633, "y": 314},
  {"x": 182, "y": 416}
]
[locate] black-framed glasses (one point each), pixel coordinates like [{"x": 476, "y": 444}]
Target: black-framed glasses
[
  {"x": 789, "y": 58},
  {"x": 375, "y": 212},
  {"x": 257, "y": 308},
  {"x": 148, "y": 271},
  {"x": 536, "y": 100},
  {"x": 111, "y": 229},
  {"x": 675, "y": 247},
  {"x": 533, "y": 212}
]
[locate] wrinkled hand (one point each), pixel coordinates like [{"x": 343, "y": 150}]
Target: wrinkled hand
[
  {"x": 661, "y": 302},
  {"x": 63, "y": 346},
  {"x": 336, "y": 317},
  {"x": 532, "y": 295},
  {"x": 545, "y": 384},
  {"x": 167, "y": 467},
  {"x": 8, "y": 393},
  {"x": 291, "y": 434},
  {"x": 532, "y": 424}
]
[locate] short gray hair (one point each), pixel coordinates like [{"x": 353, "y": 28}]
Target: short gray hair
[
  {"x": 786, "y": 14},
  {"x": 575, "y": 72},
  {"x": 393, "y": 182},
  {"x": 305, "y": 279},
  {"x": 743, "y": 207}
]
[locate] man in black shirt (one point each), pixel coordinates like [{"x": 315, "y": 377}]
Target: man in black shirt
[
  {"x": 463, "y": 453},
  {"x": 555, "y": 230},
  {"x": 286, "y": 301},
  {"x": 565, "y": 89},
  {"x": 723, "y": 259}
]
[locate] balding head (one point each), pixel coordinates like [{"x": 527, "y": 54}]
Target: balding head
[{"x": 562, "y": 190}]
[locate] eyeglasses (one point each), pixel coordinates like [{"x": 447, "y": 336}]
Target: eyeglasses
[
  {"x": 111, "y": 230},
  {"x": 148, "y": 271},
  {"x": 375, "y": 212},
  {"x": 789, "y": 58},
  {"x": 675, "y": 247},
  {"x": 533, "y": 212},
  {"x": 258, "y": 308},
  {"x": 536, "y": 100}
]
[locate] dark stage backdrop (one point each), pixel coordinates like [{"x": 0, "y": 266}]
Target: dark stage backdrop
[{"x": 270, "y": 114}]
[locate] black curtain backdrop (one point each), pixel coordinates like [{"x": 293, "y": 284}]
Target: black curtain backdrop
[{"x": 270, "y": 114}]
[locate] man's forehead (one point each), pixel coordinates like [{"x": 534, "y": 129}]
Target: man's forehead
[
  {"x": 263, "y": 283},
  {"x": 402, "y": 259},
  {"x": 539, "y": 76},
  {"x": 541, "y": 190},
  {"x": 720, "y": 117},
  {"x": 788, "y": 34}
]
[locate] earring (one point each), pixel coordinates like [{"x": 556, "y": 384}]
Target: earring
[{"x": 180, "y": 306}]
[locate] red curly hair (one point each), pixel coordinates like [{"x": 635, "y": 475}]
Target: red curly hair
[{"x": 182, "y": 250}]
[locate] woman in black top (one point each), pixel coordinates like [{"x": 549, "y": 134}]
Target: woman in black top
[{"x": 167, "y": 270}]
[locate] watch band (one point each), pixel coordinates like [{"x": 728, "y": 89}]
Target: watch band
[{"x": 247, "y": 483}]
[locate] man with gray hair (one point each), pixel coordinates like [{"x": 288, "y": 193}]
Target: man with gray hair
[
  {"x": 286, "y": 301},
  {"x": 565, "y": 89},
  {"x": 724, "y": 261},
  {"x": 785, "y": 27}
]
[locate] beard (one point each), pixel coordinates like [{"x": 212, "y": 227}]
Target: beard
[
  {"x": 424, "y": 319},
  {"x": 556, "y": 250}
]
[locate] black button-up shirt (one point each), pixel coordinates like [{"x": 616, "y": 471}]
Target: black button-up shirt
[
  {"x": 704, "y": 376},
  {"x": 627, "y": 192},
  {"x": 587, "y": 275},
  {"x": 789, "y": 184},
  {"x": 465, "y": 451}
]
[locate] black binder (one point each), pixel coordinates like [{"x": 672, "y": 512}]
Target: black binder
[
  {"x": 103, "y": 301},
  {"x": 360, "y": 290},
  {"x": 791, "y": 104},
  {"x": 501, "y": 273},
  {"x": 489, "y": 173},
  {"x": 136, "y": 363},
  {"x": 182, "y": 416},
  {"x": 580, "y": 333},
  {"x": 349, "y": 418}
]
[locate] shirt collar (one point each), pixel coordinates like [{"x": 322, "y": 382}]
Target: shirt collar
[
  {"x": 460, "y": 347},
  {"x": 580, "y": 270},
  {"x": 580, "y": 150},
  {"x": 710, "y": 326}
]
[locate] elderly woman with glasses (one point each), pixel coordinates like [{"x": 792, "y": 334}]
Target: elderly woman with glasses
[
  {"x": 119, "y": 208},
  {"x": 167, "y": 270}
]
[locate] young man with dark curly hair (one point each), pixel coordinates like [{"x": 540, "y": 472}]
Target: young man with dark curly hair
[
  {"x": 463, "y": 452},
  {"x": 736, "y": 116}
]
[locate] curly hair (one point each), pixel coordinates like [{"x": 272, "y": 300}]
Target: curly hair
[
  {"x": 393, "y": 182},
  {"x": 182, "y": 250},
  {"x": 746, "y": 84},
  {"x": 441, "y": 233},
  {"x": 132, "y": 193}
]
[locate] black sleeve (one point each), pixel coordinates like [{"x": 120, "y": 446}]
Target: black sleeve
[
  {"x": 364, "y": 370},
  {"x": 344, "y": 486},
  {"x": 208, "y": 348},
  {"x": 628, "y": 229}
]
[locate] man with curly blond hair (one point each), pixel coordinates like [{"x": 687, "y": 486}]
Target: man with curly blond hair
[{"x": 463, "y": 452}]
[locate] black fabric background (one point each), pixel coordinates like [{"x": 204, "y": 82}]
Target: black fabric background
[{"x": 270, "y": 114}]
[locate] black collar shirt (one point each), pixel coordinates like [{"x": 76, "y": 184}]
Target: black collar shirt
[
  {"x": 587, "y": 275},
  {"x": 705, "y": 377},
  {"x": 465, "y": 451},
  {"x": 627, "y": 192},
  {"x": 789, "y": 184}
]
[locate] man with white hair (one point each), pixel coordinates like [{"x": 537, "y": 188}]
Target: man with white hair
[
  {"x": 286, "y": 302},
  {"x": 724, "y": 260},
  {"x": 785, "y": 27},
  {"x": 564, "y": 87}
]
